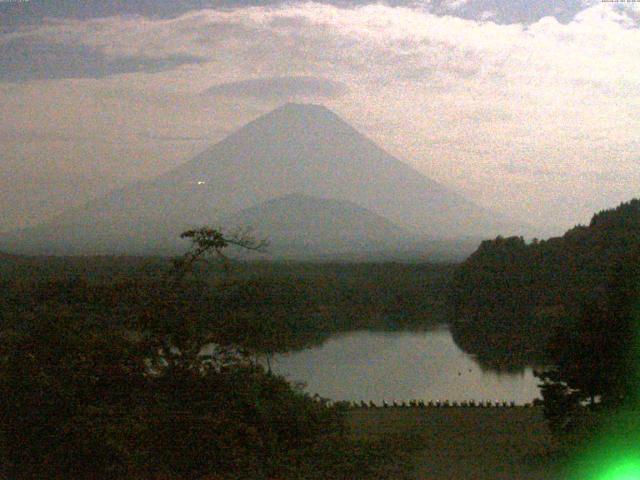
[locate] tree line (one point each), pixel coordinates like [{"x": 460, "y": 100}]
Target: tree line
[
  {"x": 571, "y": 305},
  {"x": 149, "y": 380},
  {"x": 509, "y": 297}
]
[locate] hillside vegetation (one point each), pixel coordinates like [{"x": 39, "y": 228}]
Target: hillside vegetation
[
  {"x": 509, "y": 297},
  {"x": 274, "y": 306},
  {"x": 153, "y": 372}
]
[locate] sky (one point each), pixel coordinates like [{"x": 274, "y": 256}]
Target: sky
[{"x": 529, "y": 107}]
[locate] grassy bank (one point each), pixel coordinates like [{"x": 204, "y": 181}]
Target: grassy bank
[{"x": 466, "y": 443}]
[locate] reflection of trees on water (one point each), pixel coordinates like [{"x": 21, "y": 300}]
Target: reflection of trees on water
[
  {"x": 489, "y": 361},
  {"x": 495, "y": 351},
  {"x": 299, "y": 341}
]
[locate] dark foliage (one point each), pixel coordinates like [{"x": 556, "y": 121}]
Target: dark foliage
[
  {"x": 80, "y": 402},
  {"x": 596, "y": 358},
  {"x": 72, "y": 395},
  {"x": 509, "y": 297},
  {"x": 269, "y": 307},
  {"x": 155, "y": 377}
]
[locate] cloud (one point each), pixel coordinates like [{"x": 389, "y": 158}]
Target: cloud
[
  {"x": 557, "y": 94},
  {"x": 16, "y": 15},
  {"x": 35, "y": 135},
  {"x": 487, "y": 15},
  {"x": 454, "y": 4},
  {"x": 280, "y": 88},
  {"x": 25, "y": 59},
  {"x": 174, "y": 138},
  {"x": 513, "y": 168}
]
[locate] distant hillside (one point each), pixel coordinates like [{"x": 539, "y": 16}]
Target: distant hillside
[
  {"x": 302, "y": 225},
  {"x": 7, "y": 256},
  {"x": 295, "y": 149},
  {"x": 508, "y": 296},
  {"x": 7, "y": 260}
]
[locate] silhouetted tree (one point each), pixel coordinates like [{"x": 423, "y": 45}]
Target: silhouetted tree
[
  {"x": 172, "y": 321},
  {"x": 84, "y": 398},
  {"x": 596, "y": 362}
]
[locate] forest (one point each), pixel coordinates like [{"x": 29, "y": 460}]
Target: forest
[
  {"x": 274, "y": 306},
  {"x": 509, "y": 297},
  {"x": 150, "y": 368}
]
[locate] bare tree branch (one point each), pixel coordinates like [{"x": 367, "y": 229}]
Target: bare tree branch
[{"x": 208, "y": 241}]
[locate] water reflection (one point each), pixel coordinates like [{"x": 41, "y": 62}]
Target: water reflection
[{"x": 401, "y": 366}]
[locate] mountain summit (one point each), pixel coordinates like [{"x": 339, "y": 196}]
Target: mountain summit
[
  {"x": 310, "y": 149},
  {"x": 305, "y": 149}
]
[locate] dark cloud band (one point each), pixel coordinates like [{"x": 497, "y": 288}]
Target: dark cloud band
[
  {"x": 16, "y": 14},
  {"x": 26, "y": 59},
  {"x": 280, "y": 88}
]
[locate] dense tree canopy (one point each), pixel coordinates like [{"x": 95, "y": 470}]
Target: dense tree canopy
[
  {"x": 595, "y": 359},
  {"x": 509, "y": 296},
  {"x": 143, "y": 380}
]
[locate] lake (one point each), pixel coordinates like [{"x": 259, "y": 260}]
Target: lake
[{"x": 401, "y": 366}]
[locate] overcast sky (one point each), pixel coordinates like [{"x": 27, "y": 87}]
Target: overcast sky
[{"x": 529, "y": 106}]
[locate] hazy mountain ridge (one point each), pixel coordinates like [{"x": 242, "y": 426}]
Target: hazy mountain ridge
[
  {"x": 297, "y": 222},
  {"x": 295, "y": 149},
  {"x": 317, "y": 153}
]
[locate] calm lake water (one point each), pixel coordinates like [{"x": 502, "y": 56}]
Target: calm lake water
[{"x": 401, "y": 366}]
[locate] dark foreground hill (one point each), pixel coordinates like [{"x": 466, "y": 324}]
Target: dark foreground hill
[
  {"x": 303, "y": 149},
  {"x": 509, "y": 296}
]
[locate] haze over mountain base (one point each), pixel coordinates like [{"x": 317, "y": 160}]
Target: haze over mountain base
[{"x": 300, "y": 176}]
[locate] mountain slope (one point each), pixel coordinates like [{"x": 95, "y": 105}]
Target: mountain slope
[
  {"x": 295, "y": 148},
  {"x": 299, "y": 224},
  {"x": 309, "y": 149}
]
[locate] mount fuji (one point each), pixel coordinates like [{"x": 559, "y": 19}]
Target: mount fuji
[{"x": 297, "y": 153}]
